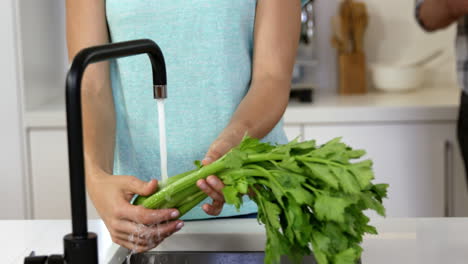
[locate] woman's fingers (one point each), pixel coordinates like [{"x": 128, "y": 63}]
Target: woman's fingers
[
  {"x": 133, "y": 185},
  {"x": 144, "y": 237},
  {"x": 213, "y": 187},
  {"x": 137, "y": 241},
  {"x": 145, "y": 231},
  {"x": 215, "y": 183},
  {"x": 210, "y": 190},
  {"x": 217, "y": 149},
  {"x": 141, "y": 215},
  {"x": 213, "y": 209}
]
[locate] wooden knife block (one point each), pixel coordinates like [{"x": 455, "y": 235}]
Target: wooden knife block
[{"x": 352, "y": 73}]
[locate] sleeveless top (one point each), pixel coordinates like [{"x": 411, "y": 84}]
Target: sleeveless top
[{"x": 208, "y": 48}]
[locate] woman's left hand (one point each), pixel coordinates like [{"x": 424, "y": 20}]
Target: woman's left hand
[{"x": 213, "y": 186}]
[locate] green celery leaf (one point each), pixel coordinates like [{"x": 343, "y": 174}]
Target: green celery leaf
[
  {"x": 290, "y": 164},
  {"x": 320, "y": 257},
  {"x": 273, "y": 212},
  {"x": 234, "y": 158},
  {"x": 242, "y": 186},
  {"x": 333, "y": 142},
  {"x": 380, "y": 190},
  {"x": 275, "y": 247},
  {"x": 355, "y": 154},
  {"x": 370, "y": 203},
  {"x": 322, "y": 172},
  {"x": 254, "y": 145},
  {"x": 301, "y": 196},
  {"x": 329, "y": 149},
  {"x": 309, "y": 144},
  {"x": 362, "y": 172},
  {"x": 298, "y": 226},
  {"x": 348, "y": 256},
  {"x": 198, "y": 164},
  {"x": 231, "y": 196},
  {"x": 288, "y": 179},
  {"x": 320, "y": 241},
  {"x": 273, "y": 190},
  {"x": 339, "y": 241},
  {"x": 370, "y": 230},
  {"x": 330, "y": 208},
  {"x": 346, "y": 179}
]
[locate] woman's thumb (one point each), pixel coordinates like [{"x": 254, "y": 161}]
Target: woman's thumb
[
  {"x": 216, "y": 151},
  {"x": 140, "y": 187}
]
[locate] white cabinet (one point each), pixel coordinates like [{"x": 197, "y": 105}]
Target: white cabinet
[
  {"x": 294, "y": 131},
  {"x": 413, "y": 158},
  {"x": 460, "y": 186},
  {"x": 50, "y": 176}
]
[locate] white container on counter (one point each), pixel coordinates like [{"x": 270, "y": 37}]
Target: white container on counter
[{"x": 390, "y": 78}]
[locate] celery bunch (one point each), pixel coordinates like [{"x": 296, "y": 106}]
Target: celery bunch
[{"x": 310, "y": 198}]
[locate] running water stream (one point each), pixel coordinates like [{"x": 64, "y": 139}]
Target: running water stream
[
  {"x": 162, "y": 138},
  {"x": 147, "y": 236}
]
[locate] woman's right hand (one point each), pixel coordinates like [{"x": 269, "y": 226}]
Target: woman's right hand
[{"x": 133, "y": 227}]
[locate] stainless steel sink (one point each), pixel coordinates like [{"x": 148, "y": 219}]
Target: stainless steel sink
[
  {"x": 240, "y": 241},
  {"x": 155, "y": 257}
]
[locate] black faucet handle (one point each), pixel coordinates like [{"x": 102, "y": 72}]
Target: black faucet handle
[
  {"x": 55, "y": 259},
  {"x": 35, "y": 260},
  {"x": 52, "y": 259}
]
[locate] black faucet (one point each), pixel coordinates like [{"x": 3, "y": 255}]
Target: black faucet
[{"x": 81, "y": 246}]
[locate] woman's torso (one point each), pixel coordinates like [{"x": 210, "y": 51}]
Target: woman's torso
[{"x": 208, "y": 51}]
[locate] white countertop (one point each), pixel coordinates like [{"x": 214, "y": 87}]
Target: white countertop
[
  {"x": 425, "y": 104},
  {"x": 435, "y": 104},
  {"x": 416, "y": 240}
]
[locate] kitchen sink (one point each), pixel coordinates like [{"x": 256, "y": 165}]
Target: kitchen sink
[
  {"x": 221, "y": 241},
  {"x": 199, "y": 257}
]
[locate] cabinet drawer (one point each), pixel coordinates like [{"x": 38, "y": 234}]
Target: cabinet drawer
[
  {"x": 410, "y": 157},
  {"x": 50, "y": 176}
]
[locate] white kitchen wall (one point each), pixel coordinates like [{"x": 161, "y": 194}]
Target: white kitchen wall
[
  {"x": 393, "y": 37},
  {"x": 44, "y": 51},
  {"x": 12, "y": 205}
]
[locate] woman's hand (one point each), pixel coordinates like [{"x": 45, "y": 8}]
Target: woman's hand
[
  {"x": 133, "y": 227},
  {"x": 213, "y": 186}
]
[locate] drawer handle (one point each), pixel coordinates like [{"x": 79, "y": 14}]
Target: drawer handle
[{"x": 449, "y": 179}]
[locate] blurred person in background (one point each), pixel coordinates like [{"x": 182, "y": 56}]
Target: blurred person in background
[{"x": 438, "y": 14}]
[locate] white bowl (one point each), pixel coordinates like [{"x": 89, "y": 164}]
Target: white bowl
[{"x": 391, "y": 78}]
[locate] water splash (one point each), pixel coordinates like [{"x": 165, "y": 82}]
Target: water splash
[
  {"x": 144, "y": 233},
  {"x": 134, "y": 241}
]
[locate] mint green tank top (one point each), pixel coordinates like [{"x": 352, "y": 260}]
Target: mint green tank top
[{"x": 208, "y": 48}]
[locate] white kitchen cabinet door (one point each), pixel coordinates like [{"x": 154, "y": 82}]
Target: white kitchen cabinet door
[
  {"x": 50, "y": 176},
  {"x": 460, "y": 186},
  {"x": 410, "y": 157},
  {"x": 293, "y": 131}
]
